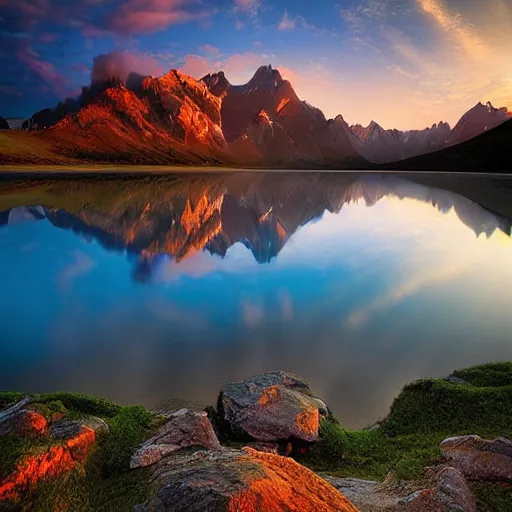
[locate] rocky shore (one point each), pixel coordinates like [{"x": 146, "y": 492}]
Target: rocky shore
[{"x": 269, "y": 445}]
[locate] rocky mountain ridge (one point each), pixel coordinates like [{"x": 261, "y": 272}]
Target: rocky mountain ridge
[{"x": 177, "y": 119}]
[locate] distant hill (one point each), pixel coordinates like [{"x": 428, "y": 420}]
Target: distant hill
[{"x": 489, "y": 152}]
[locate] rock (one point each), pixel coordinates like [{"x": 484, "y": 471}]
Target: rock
[
  {"x": 97, "y": 424},
  {"x": 265, "y": 447},
  {"x": 184, "y": 428},
  {"x": 480, "y": 459},
  {"x": 52, "y": 462},
  {"x": 18, "y": 418},
  {"x": 24, "y": 422},
  {"x": 249, "y": 481},
  {"x": 272, "y": 406},
  {"x": 451, "y": 494},
  {"x": 4, "y": 125},
  {"x": 457, "y": 380},
  {"x": 367, "y": 495},
  {"x": 65, "y": 429}
]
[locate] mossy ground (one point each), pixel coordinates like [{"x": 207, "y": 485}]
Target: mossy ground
[
  {"x": 105, "y": 483},
  {"x": 423, "y": 415}
]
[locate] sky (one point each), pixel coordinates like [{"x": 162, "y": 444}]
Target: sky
[{"x": 404, "y": 63}]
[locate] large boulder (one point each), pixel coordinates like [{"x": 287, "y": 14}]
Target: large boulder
[
  {"x": 233, "y": 480},
  {"x": 447, "y": 492},
  {"x": 4, "y": 125},
  {"x": 480, "y": 459},
  {"x": 184, "y": 428},
  {"x": 272, "y": 406},
  {"x": 450, "y": 494}
]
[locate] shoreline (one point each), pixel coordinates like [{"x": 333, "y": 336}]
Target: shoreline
[{"x": 397, "y": 449}]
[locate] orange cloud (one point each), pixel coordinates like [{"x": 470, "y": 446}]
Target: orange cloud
[{"x": 146, "y": 16}]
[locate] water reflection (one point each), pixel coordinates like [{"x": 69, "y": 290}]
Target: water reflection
[{"x": 166, "y": 287}]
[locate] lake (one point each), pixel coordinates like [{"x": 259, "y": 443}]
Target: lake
[{"x": 144, "y": 288}]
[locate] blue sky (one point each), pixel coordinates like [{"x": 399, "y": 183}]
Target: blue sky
[{"x": 403, "y": 63}]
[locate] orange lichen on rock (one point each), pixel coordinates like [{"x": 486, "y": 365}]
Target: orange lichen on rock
[
  {"x": 269, "y": 395},
  {"x": 287, "y": 486},
  {"x": 53, "y": 462},
  {"x": 32, "y": 422},
  {"x": 308, "y": 420},
  {"x": 80, "y": 445}
]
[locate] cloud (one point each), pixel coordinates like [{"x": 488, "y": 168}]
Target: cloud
[
  {"x": 167, "y": 311},
  {"x": 121, "y": 64},
  {"x": 252, "y": 314},
  {"x": 81, "y": 266},
  {"x": 209, "y": 49},
  {"x": 45, "y": 71},
  {"x": 249, "y": 7},
  {"x": 286, "y": 304},
  {"x": 286, "y": 22},
  {"x": 146, "y": 16},
  {"x": 455, "y": 27},
  {"x": 238, "y": 67}
]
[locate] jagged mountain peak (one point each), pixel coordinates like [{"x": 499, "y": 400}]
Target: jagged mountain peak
[
  {"x": 266, "y": 76},
  {"x": 217, "y": 83}
]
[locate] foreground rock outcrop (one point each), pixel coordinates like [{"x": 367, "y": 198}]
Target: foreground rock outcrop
[
  {"x": 273, "y": 406},
  {"x": 480, "y": 459},
  {"x": 68, "y": 444},
  {"x": 20, "y": 419},
  {"x": 240, "y": 481},
  {"x": 184, "y": 428},
  {"x": 448, "y": 491},
  {"x": 449, "y": 494}
]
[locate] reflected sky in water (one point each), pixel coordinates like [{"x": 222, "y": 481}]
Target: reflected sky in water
[{"x": 147, "y": 291}]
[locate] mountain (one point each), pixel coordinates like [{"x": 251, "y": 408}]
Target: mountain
[
  {"x": 175, "y": 119},
  {"x": 489, "y": 152},
  {"x": 381, "y": 146},
  {"x": 266, "y": 119},
  {"x": 172, "y": 118},
  {"x": 478, "y": 120},
  {"x": 384, "y": 146},
  {"x": 4, "y": 125}
]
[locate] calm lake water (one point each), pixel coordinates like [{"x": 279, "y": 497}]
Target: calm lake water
[{"x": 147, "y": 289}]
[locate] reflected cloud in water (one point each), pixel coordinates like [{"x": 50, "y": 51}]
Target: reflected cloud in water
[{"x": 157, "y": 288}]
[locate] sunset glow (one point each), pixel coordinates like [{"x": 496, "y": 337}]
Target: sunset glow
[{"x": 404, "y": 63}]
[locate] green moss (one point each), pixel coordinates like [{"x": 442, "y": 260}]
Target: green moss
[
  {"x": 422, "y": 416},
  {"x": 493, "y": 497},
  {"x": 105, "y": 483},
  {"x": 9, "y": 397},
  {"x": 437, "y": 405},
  {"x": 49, "y": 409},
  {"x": 371, "y": 454},
  {"x": 487, "y": 375},
  {"x": 78, "y": 402}
]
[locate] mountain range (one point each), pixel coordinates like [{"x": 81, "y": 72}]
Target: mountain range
[
  {"x": 175, "y": 119},
  {"x": 179, "y": 216}
]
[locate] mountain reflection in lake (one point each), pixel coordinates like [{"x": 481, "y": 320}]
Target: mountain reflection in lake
[{"x": 152, "y": 288}]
